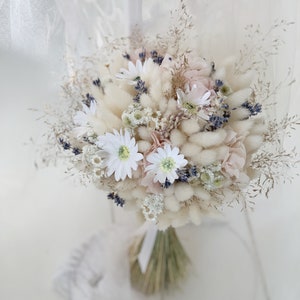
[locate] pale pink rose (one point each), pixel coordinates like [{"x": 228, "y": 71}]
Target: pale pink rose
[
  {"x": 202, "y": 67},
  {"x": 202, "y": 88},
  {"x": 198, "y": 73},
  {"x": 235, "y": 160},
  {"x": 204, "y": 83}
]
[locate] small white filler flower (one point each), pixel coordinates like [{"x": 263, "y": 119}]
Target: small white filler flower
[
  {"x": 164, "y": 163},
  {"x": 133, "y": 73},
  {"x": 153, "y": 205},
  {"x": 120, "y": 154}
]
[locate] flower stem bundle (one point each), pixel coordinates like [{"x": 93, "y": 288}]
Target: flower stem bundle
[
  {"x": 167, "y": 265},
  {"x": 172, "y": 135}
]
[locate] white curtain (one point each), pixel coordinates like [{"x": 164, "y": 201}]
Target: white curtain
[
  {"x": 43, "y": 216},
  {"x": 52, "y": 29}
]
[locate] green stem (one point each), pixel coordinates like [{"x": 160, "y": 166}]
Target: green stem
[{"x": 166, "y": 267}]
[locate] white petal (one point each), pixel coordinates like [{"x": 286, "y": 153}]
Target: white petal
[
  {"x": 93, "y": 107},
  {"x": 127, "y": 170},
  {"x": 86, "y": 109},
  {"x": 79, "y": 131},
  {"x": 80, "y": 118},
  {"x": 118, "y": 174},
  {"x": 154, "y": 158},
  {"x": 138, "y": 156},
  {"x": 174, "y": 175},
  {"x": 175, "y": 151},
  {"x": 206, "y": 96},
  {"x": 160, "y": 177},
  {"x": 168, "y": 148},
  {"x": 139, "y": 67},
  {"x": 110, "y": 171},
  {"x": 131, "y": 67},
  {"x": 150, "y": 167},
  {"x": 161, "y": 152}
]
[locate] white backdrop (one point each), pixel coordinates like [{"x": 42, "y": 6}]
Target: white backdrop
[{"x": 44, "y": 215}]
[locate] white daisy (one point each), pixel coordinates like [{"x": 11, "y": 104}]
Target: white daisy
[
  {"x": 133, "y": 73},
  {"x": 164, "y": 162},
  {"x": 193, "y": 99},
  {"x": 120, "y": 154},
  {"x": 81, "y": 118}
]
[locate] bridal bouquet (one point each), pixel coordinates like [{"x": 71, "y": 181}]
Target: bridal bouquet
[{"x": 171, "y": 135}]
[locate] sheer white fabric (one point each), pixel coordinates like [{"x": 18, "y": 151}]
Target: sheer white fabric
[
  {"x": 40, "y": 40},
  {"x": 77, "y": 28}
]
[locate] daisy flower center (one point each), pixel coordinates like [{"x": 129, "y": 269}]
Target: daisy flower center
[
  {"x": 167, "y": 164},
  {"x": 138, "y": 115},
  {"x": 123, "y": 153},
  {"x": 190, "y": 107}
]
